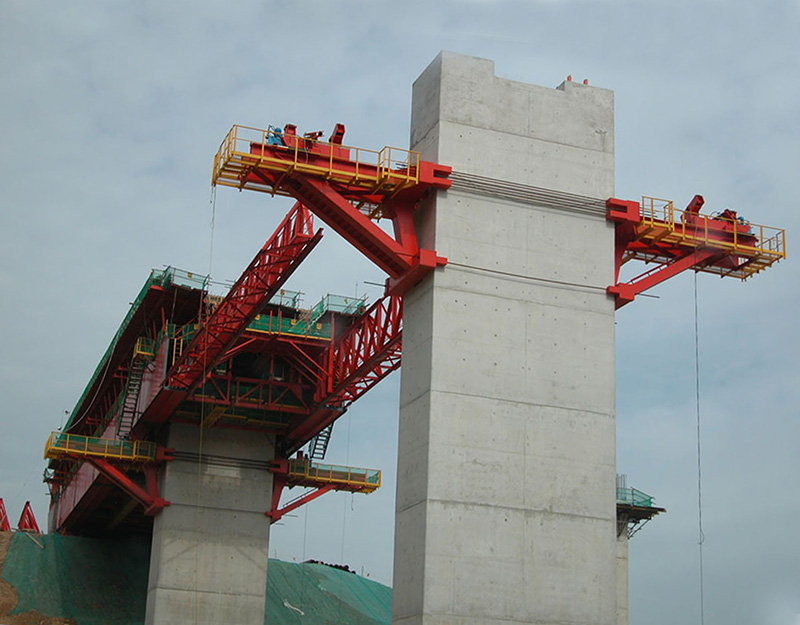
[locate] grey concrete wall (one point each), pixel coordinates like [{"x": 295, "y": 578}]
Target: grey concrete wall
[
  {"x": 506, "y": 477},
  {"x": 208, "y": 563},
  {"x": 622, "y": 578}
]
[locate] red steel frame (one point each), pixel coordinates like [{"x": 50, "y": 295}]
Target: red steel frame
[
  {"x": 280, "y": 476},
  {"x": 27, "y": 521},
  {"x": 281, "y": 255},
  {"x": 675, "y": 256},
  {"x": 114, "y": 472},
  {"x": 5, "y": 526},
  {"x": 283, "y": 252},
  {"x": 362, "y": 357},
  {"x": 338, "y": 203}
]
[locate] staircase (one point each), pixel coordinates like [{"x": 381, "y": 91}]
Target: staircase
[
  {"x": 127, "y": 414},
  {"x": 318, "y": 445}
]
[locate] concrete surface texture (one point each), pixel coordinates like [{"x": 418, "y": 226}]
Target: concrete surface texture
[
  {"x": 208, "y": 562},
  {"x": 622, "y": 578},
  {"x": 506, "y": 461}
]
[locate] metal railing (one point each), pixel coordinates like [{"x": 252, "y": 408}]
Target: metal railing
[
  {"x": 634, "y": 497},
  {"x": 245, "y": 147},
  {"x": 339, "y": 304},
  {"x": 706, "y": 229},
  {"x": 276, "y": 323},
  {"x": 285, "y": 297},
  {"x": 61, "y": 444},
  {"x": 368, "y": 479}
]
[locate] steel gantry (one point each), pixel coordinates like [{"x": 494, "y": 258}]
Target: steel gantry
[
  {"x": 674, "y": 240},
  {"x": 346, "y": 187},
  {"x": 252, "y": 359}
]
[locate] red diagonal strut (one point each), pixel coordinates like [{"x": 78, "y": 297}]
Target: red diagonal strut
[
  {"x": 268, "y": 271},
  {"x": 283, "y": 252},
  {"x": 148, "y": 498}
]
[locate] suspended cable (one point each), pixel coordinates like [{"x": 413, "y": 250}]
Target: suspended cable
[
  {"x": 523, "y": 276},
  {"x": 344, "y": 513},
  {"x": 701, "y": 535},
  {"x": 201, "y": 320}
]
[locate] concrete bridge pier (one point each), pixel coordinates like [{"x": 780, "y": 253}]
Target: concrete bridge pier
[
  {"x": 506, "y": 506},
  {"x": 208, "y": 563}
]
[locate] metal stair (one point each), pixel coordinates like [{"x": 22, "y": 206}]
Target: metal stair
[
  {"x": 318, "y": 445},
  {"x": 127, "y": 414}
]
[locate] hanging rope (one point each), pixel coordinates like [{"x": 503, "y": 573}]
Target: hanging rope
[
  {"x": 701, "y": 536},
  {"x": 201, "y": 320},
  {"x": 344, "y": 509}
]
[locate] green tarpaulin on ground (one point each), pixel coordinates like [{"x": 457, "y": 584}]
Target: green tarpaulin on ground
[{"x": 99, "y": 582}]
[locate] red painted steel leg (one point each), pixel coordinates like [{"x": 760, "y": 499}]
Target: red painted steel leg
[{"x": 148, "y": 498}]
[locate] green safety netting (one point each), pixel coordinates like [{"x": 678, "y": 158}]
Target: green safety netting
[
  {"x": 94, "y": 581},
  {"x": 104, "y": 581}
]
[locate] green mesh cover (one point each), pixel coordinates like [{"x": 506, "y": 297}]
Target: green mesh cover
[
  {"x": 95, "y": 582},
  {"x": 315, "y": 593},
  {"x": 99, "y": 582}
]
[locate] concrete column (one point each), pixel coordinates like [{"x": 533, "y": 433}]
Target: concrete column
[
  {"x": 506, "y": 478},
  {"x": 622, "y": 578},
  {"x": 208, "y": 563}
]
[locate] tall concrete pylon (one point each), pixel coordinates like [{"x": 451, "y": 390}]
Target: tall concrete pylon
[{"x": 506, "y": 462}]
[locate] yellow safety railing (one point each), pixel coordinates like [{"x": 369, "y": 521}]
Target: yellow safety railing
[
  {"x": 145, "y": 348},
  {"x": 61, "y": 445},
  {"x": 246, "y": 148},
  {"x": 305, "y": 472},
  {"x": 761, "y": 245}
]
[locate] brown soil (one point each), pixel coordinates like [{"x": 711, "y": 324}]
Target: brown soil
[{"x": 8, "y": 597}]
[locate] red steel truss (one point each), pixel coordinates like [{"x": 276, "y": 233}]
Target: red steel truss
[
  {"x": 5, "y": 525},
  {"x": 283, "y": 252},
  {"x": 27, "y": 522},
  {"x": 269, "y": 270},
  {"x": 348, "y": 192},
  {"x": 148, "y": 497},
  {"x": 362, "y": 357}
]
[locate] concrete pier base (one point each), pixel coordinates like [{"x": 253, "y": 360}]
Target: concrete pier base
[
  {"x": 208, "y": 563},
  {"x": 506, "y": 509}
]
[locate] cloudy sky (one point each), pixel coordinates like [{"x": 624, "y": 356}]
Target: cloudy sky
[{"x": 111, "y": 112}]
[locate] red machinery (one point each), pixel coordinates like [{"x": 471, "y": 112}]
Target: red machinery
[
  {"x": 199, "y": 372},
  {"x": 248, "y": 361},
  {"x": 677, "y": 240}
]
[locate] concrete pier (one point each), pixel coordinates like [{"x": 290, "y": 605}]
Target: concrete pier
[
  {"x": 622, "y": 578},
  {"x": 506, "y": 470},
  {"x": 208, "y": 563}
]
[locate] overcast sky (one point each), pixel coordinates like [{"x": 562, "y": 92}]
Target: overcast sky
[{"x": 111, "y": 112}]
